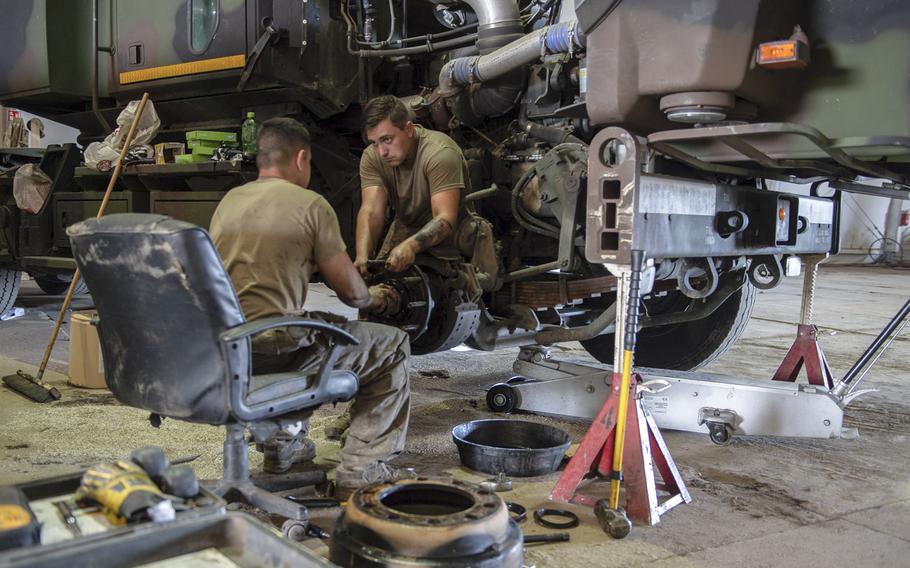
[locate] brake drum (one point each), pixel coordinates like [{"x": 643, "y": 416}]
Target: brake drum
[{"x": 426, "y": 523}]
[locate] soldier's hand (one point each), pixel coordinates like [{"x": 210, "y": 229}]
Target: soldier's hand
[
  {"x": 401, "y": 257},
  {"x": 361, "y": 265},
  {"x": 386, "y": 300}
]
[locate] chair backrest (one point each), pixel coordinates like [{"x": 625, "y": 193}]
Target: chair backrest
[{"x": 163, "y": 297}]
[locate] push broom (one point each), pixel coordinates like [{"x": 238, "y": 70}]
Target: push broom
[{"x": 34, "y": 387}]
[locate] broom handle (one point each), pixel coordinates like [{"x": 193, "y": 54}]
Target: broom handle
[{"x": 107, "y": 196}]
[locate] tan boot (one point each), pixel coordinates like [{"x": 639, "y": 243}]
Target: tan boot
[
  {"x": 281, "y": 453},
  {"x": 337, "y": 427},
  {"x": 349, "y": 481}
]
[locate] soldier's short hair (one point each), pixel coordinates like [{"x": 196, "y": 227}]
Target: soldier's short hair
[
  {"x": 385, "y": 107},
  {"x": 279, "y": 140}
]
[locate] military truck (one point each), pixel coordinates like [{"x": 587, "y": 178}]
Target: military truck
[{"x": 716, "y": 136}]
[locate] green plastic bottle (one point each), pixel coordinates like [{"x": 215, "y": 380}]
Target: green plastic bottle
[{"x": 248, "y": 133}]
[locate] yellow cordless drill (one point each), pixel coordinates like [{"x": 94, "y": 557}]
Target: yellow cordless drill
[{"x": 125, "y": 493}]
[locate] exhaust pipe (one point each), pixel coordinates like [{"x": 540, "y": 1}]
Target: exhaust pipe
[
  {"x": 558, "y": 38},
  {"x": 502, "y": 71},
  {"x": 494, "y": 14}
]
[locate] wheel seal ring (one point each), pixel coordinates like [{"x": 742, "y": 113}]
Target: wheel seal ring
[{"x": 541, "y": 514}]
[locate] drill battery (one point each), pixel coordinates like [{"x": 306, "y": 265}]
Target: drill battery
[{"x": 18, "y": 524}]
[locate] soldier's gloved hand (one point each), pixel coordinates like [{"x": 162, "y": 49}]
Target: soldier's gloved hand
[
  {"x": 386, "y": 301},
  {"x": 402, "y": 256},
  {"x": 125, "y": 492}
]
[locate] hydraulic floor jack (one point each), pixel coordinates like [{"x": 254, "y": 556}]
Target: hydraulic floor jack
[{"x": 721, "y": 406}]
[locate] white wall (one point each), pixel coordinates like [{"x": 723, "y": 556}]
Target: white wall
[
  {"x": 54, "y": 132},
  {"x": 862, "y": 222}
]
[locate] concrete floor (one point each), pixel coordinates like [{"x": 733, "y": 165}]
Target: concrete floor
[{"x": 757, "y": 502}]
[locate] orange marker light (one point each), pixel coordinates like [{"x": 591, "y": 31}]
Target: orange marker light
[
  {"x": 786, "y": 54},
  {"x": 781, "y": 214}
]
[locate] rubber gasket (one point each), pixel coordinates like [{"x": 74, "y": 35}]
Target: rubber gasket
[
  {"x": 541, "y": 514},
  {"x": 517, "y": 512}
]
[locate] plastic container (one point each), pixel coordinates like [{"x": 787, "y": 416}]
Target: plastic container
[
  {"x": 514, "y": 447},
  {"x": 248, "y": 134}
]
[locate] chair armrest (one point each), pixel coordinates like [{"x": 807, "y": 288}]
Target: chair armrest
[
  {"x": 258, "y": 326},
  {"x": 289, "y": 392}
]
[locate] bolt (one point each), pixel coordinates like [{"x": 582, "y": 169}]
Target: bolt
[
  {"x": 827, "y": 422},
  {"x": 590, "y": 388}
]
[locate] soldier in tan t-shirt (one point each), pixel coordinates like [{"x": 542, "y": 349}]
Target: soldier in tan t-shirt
[
  {"x": 422, "y": 173},
  {"x": 273, "y": 235},
  {"x": 424, "y": 176}
]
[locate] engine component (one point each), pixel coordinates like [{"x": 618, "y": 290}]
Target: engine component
[
  {"x": 428, "y": 523},
  {"x": 514, "y": 447},
  {"x": 495, "y": 98}
]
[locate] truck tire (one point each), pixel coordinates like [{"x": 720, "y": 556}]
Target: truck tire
[
  {"x": 56, "y": 286},
  {"x": 9, "y": 288},
  {"x": 685, "y": 346}
]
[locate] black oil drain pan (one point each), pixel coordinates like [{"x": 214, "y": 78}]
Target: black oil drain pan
[{"x": 514, "y": 447}]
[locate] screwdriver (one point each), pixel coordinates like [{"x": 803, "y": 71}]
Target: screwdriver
[{"x": 69, "y": 519}]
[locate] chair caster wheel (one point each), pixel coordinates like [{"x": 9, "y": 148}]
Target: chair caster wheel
[{"x": 294, "y": 530}]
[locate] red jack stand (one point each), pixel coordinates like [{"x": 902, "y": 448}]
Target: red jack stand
[
  {"x": 805, "y": 348},
  {"x": 643, "y": 450}
]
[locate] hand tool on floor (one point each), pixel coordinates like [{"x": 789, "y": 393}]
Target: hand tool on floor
[
  {"x": 545, "y": 538},
  {"x": 617, "y": 520},
  {"x": 68, "y": 516},
  {"x": 34, "y": 387}
]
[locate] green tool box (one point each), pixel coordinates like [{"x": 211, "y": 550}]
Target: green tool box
[{"x": 211, "y": 136}]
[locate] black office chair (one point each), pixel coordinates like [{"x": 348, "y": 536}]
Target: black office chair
[{"x": 175, "y": 343}]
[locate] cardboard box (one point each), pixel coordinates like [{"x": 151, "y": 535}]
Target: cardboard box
[
  {"x": 86, "y": 364},
  {"x": 165, "y": 152}
]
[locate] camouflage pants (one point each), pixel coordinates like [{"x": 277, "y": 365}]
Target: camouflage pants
[{"x": 381, "y": 409}]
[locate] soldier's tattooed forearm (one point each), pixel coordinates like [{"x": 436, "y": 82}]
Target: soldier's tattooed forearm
[{"x": 433, "y": 233}]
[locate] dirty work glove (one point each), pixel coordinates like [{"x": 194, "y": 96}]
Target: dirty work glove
[
  {"x": 386, "y": 298},
  {"x": 125, "y": 493}
]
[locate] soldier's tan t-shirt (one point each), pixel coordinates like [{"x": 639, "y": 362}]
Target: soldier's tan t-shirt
[
  {"x": 438, "y": 166},
  {"x": 271, "y": 234}
]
